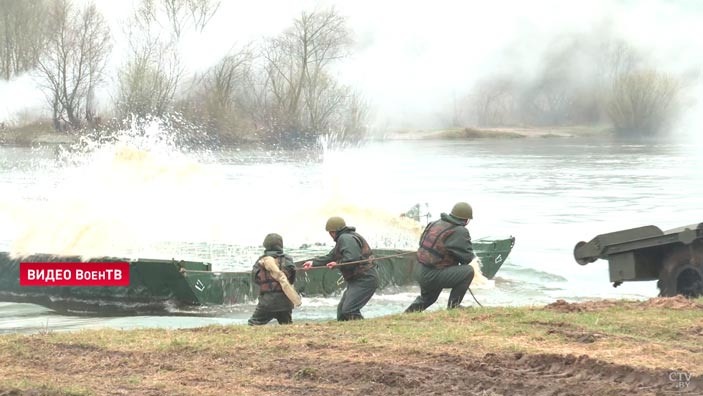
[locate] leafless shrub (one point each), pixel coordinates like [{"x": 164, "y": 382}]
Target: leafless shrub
[
  {"x": 643, "y": 102},
  {"x": 21, "y": 35},
  {"x": 73, "y": 60}
]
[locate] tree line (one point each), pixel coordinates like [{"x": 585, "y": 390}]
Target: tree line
[
  {"x": 280, "y": 89},
  {"x": 583, "y": 80}
]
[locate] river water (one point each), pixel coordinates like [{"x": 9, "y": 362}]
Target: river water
[{"x": 139, "y": 199}]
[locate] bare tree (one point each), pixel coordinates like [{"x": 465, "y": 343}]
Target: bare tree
[
  {"x": 643, "y": 102},
  {"x": 202, "y": 12},
  {"x": 301, "y": 97},
  {"x": 566, "y": 91},
  {"x": 355, "y": 120},
  {"x": 224, "y": 81},
  {"x": 217, "y": 97},
  {"x": 148, "y": 82},
  {"x": 149, "y": 79},
  {"x": 21, "y": 35},
  {"x": 176, "y": 15},
  {"x": 549, "y": 102},
  {"x": 256, "y": 99},
  {"x": 612, "y": 57},
  {"x": 619, "y": 59},
  {"x": 571, "y": 86},
  {"x": 73, "y": 60},
  {"x": 493, "y": 101},
  {"x": 321, "y": 102}
]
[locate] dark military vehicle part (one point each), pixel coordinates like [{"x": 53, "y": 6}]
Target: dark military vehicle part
[{"x": 674, "y": 258}]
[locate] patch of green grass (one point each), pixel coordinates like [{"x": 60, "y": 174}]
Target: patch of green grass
[
  {"x": 306, "y": 373},
  {"x": 25, "y": 387},
  {"x": 134, "y": 379}
]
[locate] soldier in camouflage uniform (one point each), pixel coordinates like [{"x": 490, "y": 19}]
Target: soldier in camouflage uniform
[
  {"x": 273, "y": 303},
  {"x": 444, "y": 254},
  {"x": 361, "y": 278}
]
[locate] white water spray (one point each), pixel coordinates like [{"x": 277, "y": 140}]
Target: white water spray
[{"x": 125, "y": 195}]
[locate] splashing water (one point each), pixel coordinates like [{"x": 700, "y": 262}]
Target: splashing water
[
  {"x": 125, "y": 194},
  {"x": 479, "y": 279},
  {"x": 346, "y": 191},
  {"x": 116, "y": 196}
]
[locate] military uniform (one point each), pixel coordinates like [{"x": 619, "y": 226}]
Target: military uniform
[
  {"x": 444, "y": 254},
  {"x": 361, "y": 279},
  {"x": 273, "y": 303}
]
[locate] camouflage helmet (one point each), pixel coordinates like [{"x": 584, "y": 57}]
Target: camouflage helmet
[
  {"x": 463, "y": 211},
  {"x": 335, "y": 223},
  {"x": 273, "y": 242}
]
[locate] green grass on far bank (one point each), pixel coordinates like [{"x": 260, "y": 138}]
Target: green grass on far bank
[{"x": 203, "y": 360}]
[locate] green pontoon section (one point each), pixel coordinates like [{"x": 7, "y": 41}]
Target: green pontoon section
[
  {"x": 398, "y": 268},
  {"x": 169, "y": 285},
  {"x": 493, "y": 253},
  {"x": 155, "y": 285},
  {"x": 220, "y": 288}
]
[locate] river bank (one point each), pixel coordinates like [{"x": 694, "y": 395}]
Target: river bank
[
  {"x": 37, "y": 133},
  {"x": 43, "y": 133},
  {"x": 594, "y": 348}
]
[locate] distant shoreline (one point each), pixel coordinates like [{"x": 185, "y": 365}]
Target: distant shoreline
[
  {"x": 44, "y": 134},
  {"x": 502, "y": 133}
]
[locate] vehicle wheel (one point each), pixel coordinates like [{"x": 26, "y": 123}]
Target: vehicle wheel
[{"x": 682, "y": 272}]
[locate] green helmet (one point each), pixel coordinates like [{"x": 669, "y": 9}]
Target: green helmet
[
  {"x": 463, "y": 211},
  {"x": 335, "y": 223},
  {"x": 273, "y": 242}
]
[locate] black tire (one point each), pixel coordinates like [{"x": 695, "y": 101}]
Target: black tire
[{"x": 682, "y": 272}]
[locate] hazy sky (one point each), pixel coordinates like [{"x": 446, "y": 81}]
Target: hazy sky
[{"x": 411, "y": 57}]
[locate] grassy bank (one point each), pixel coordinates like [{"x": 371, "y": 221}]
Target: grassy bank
[
  {"x": 586, "y": 349},
  {"x": 40, "y": 132}
]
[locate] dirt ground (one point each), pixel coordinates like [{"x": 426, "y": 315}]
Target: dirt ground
[
  {"x": 676, "y": 303},
  {"x": 309, "y": 360},
  {"x": 422, "y": 374},
  {"x": 319, "y": 369}
]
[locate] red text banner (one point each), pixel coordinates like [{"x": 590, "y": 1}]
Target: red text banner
[{"x": 74, "y": 274}]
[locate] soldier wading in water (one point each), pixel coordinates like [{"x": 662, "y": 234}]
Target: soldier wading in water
[
  {"x": 362, "y": 278},
  {"x": 444, "y": 254}
]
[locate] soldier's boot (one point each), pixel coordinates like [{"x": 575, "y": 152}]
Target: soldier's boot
[
  {"x": 453, "y": 304},
  {"x": 351, "y": 316},
  {"x": 415, "y": 307}
]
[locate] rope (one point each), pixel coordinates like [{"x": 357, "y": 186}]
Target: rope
[
  {"x": 359, "y": 261},
  {"x": 472, "y": 295},
  {"x": 378, "y": 258}
]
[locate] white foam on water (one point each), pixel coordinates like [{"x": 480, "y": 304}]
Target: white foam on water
[
  {"x": 125, "y": 193},
  {"x": 116, "y": 197}
]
